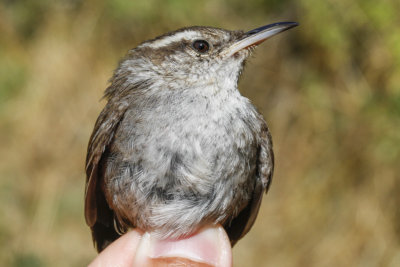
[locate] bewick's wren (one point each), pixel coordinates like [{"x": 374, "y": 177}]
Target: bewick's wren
[{"x": 177, "y": 146}]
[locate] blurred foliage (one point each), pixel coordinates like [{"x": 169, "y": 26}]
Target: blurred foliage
[{"x": 330, "y": 90}]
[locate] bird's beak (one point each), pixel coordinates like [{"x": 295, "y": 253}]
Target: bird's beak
[{"x": 259, "y": 35}]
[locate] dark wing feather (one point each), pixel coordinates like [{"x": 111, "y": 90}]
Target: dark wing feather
[
  {"x": 242, "y": 224},
  {"x": 98, "y": 214}
]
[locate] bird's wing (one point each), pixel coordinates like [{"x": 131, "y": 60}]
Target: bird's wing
[
  {"x": 98, "y": 214},
  {"x": 242, "y": 224}
]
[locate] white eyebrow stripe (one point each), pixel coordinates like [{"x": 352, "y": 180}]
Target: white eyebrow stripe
[{"x": 188, "y": 35}]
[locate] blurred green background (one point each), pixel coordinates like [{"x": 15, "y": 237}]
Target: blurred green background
[{"x": 330, "y": 90}]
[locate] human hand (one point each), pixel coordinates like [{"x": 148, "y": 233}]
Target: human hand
[{"x": 208, "y": 247}]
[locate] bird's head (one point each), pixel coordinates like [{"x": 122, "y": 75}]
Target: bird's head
[{"x": 191, "y": 57}]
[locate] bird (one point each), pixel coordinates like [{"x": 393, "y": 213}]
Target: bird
[{"x": 177, "y": 146}]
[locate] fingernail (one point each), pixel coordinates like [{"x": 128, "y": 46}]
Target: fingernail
[{"x": 209, "y": 247}]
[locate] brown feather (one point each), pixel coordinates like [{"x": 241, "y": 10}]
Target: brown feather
[
  {"x": 242, "y": 223},
  {"x": 98, "y": 215}
]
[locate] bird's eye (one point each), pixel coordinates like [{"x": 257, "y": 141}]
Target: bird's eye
[{"x": 201, "y": 46}]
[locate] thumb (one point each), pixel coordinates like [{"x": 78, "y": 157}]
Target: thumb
[{"x": 208, "y": 247}]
